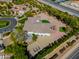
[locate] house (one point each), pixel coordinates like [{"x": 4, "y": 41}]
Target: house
[{"x": 47, "y": 29}]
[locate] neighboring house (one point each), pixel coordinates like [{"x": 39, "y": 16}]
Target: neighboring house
[
  {"x": 75, "y": 4},
  {"x": 47, "y": 29},
  {"x": 5, "y": 56},
  {"x": 19, "y": 9},
  {"x": 71, "y": 4},
  {"x": 34, "y": 26}
]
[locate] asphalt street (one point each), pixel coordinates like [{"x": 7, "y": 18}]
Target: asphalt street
[
  {"x": 60, "y": 7},
  {"x": 10, "y": 27},
  {"x": 74, "y": 55}
]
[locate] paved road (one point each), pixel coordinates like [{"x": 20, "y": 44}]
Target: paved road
[
  {"x": 10, "y": 27},
  {"x": 59, "y": 7},
  {"x": 75, "y": 54}
]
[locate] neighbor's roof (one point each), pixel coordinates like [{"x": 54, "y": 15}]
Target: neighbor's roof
[{"x": 33, "y": 25}]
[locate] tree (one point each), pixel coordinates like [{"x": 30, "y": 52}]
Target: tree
[
  {"x": 18, "y": 51},
  {"x": 34, "y": 37}
]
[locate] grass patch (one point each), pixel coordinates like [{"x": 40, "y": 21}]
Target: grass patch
[
  {"x": 63, "y": 29},
  {"x": 19, "y": 1},
  {"x": 3, "y": 23},
  {"x": 45, "y": 21}
]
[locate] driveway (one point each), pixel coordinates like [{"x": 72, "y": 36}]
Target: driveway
[{"x": 10, "y": 27}]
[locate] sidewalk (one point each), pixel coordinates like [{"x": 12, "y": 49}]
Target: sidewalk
[
  {"x": 58, "y": 48},
  {"x": 70, "y": 51}
]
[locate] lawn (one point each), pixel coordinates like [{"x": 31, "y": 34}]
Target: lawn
[
  {"x": 3, "y": 23},
  {"x": 19, "y": 1},
  {"x": 63, "y": 29},
  {"x": 45, "y": 21}
]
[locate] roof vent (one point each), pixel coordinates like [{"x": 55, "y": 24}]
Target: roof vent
[{"x": 37, "y": 20}]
